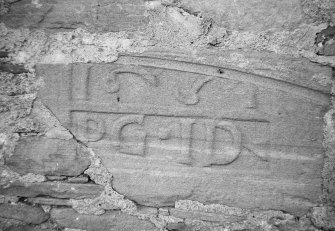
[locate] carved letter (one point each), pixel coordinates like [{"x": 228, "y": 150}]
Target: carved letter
[
  {"x": 186, "y": 139},
  {"x": 185, "y": 135},
  {"x": 227, "y": 158},
  {"x": 95, "y": 129},
  {"x": 113, "y": 82},
  {"x": 90, "y": 127},
  {"x": 132, "y": 148},
  {"x": 219, "y": 158}
]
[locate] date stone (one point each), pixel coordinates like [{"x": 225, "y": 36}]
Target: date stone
[{"x": 169, "y": 127}]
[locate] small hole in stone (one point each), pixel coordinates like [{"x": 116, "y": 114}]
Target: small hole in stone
[
  {"x": 221, "y": 71},
  {"x": 118, "y": 99}
]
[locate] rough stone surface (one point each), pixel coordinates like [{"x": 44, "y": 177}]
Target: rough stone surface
[
  {"x": 52, "y": 189},
  {"x": 108, "y": 200},
  {"x": 40, "y": 155},
  {"x": 325, "y": 41},
  {"x": 319, "y": 10},
  {"x": 110, "y": 221},
  {"x": 48, "y": 201},
  {"x": 8, "y": 223},
  {"x": 27, "y": 228},
  {"x": 247, "y": 15},
  {"x": 324, "y": 217},
  {"x": 79, "y": 179},
  {"x": 25, "y": 213}
]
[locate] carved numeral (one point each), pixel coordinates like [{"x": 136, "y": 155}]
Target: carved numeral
[
  {"x": 252, "y": 96},
  {"x": 80, "y": 78},
  {"x": 113, "y": 81},
  {"x": 190, "y": 96}
]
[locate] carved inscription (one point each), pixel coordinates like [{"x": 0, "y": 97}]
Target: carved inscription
[
  {"x": 170, "y": 130},
  {"x": 218, "y": 157},
  {"x": 184, "y": 133},
  {"x": 91, "y": 128},
  {"x": 181, "y": 129},
  {"x": 190, "y": 96},
  {"x": 137, "y": 148},
  {"x": 113, "y": 81},
  {"x": 252, "y": 96},
  {"x": 80, "y": 77}
]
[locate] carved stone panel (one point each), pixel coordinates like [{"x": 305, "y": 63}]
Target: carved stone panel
[{"x": 170, "y": 130}]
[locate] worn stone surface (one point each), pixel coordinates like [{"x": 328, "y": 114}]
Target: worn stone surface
[
  {"x": 25, "y": 213},
  {"x": 52, "y": 189},
  {"x": 96, "y": 15},
  {"x": 7, "y": 223},
  {"x": 110, "y": 221},
  {"x": 181, "y": 116},
  {"x": 40, "y": 155}
]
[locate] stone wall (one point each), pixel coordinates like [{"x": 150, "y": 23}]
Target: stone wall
[{"x": 167, "y": 115}]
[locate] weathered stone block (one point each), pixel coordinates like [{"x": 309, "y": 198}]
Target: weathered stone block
[
  {"x": 48, "y": 157},
  {"x": 110, "y": 221},
  {"x": 52, "y": 189},
  {"x": 27, "y": 228},
  {"x": 48, "y": 201},
  {"x": 25, "y": 213},
  {"x": 206, "y": 216},
  {"x": 12, "y": 68},
  {"x": 95, "y": 15},
  {"x": 238, "y": 129}
]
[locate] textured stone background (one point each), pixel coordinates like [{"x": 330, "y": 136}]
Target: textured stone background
[{"x": 73, "y": 191}]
